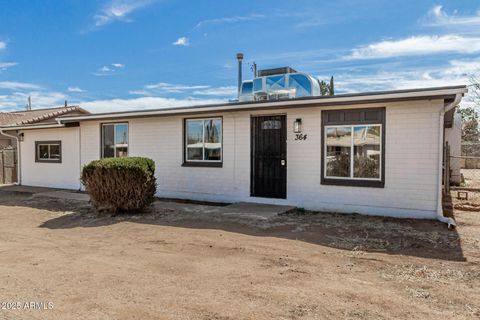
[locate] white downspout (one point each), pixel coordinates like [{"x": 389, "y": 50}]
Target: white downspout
[
  {"x": 18, "y": 154},
  {"x": 446, "y": 108}
]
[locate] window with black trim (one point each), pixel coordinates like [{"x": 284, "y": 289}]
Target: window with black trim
[
  {"x": 203, "y": 141},
  {"x": 48, "y": 151},
  {"x": 114, "y": 140},
  {"x": 353, "y": 145}
]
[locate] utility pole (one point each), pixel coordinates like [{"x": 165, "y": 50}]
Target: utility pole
[{"x": 29, "y": 103}]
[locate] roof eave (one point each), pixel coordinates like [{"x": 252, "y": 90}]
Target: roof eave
[
  {"x": 346, "y": 99},
  {"x": 32, "y": 126}
]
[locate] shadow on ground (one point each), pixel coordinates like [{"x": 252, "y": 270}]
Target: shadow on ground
[{"x": 419, "y": 238}]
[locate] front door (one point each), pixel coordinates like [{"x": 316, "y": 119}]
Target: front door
[{"x": 269, "y": 157}]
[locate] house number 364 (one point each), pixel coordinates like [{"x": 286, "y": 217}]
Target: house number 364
[{"x": 300, "y": 136}]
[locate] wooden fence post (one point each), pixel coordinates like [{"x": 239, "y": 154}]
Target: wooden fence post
[
  {"x": 2, "y": 172},
  {"x": 446, "y": 177}
]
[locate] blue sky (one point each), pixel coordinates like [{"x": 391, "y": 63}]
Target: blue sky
[{"x": 135, "y": 54}]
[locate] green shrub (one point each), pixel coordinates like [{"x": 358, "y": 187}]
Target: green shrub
[{"x": 120, "y": 184}]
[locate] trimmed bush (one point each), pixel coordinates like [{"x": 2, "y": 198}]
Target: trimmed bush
[{"x": 120, "y": 184}]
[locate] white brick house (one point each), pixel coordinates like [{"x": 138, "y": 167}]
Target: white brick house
[{"x": 374, "y": 153}]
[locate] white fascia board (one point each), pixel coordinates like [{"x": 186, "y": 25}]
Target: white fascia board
[{"x": 31, "y": 127}]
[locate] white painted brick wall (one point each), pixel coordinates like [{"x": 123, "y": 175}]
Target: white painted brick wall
[
  {"x": 57, "y": 175},
  {"x": 410, "y": 173}
]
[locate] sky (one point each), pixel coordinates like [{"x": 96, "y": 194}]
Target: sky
[{"x": 114, "y": 55}]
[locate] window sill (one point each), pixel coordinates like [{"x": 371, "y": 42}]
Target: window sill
[
  {"x": 353, "y": 183},
  {"x": 48, "y": 161},
  {"x": 203, "y": 164}
]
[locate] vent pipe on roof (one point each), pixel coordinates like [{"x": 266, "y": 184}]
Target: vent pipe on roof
[{"x": 239, "y": 59}]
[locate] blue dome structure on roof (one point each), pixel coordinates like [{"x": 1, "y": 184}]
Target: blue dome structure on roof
[{"x": 277, "y": 84}]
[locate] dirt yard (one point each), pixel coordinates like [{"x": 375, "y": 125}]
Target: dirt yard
[{"x": 172, "y": 264}]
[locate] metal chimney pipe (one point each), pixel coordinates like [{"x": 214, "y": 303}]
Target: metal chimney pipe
[{"x": 239, "y": 59}]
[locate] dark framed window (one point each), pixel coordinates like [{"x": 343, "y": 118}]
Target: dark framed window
[
  {"x": 353, "y": 147},
  {"x": 203, "y": 142},
  {"x": 48, "y": 151},
  {"x": 114, "y": 140}
]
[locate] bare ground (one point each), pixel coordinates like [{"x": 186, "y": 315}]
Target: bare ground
[
  {"x": 472, "y": 178},
  {"x": 171, "y": 264}
]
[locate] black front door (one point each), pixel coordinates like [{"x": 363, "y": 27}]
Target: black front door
[{"x": 269, "y": 157}]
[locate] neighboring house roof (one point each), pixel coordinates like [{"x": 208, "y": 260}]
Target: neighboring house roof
[
  {"x": 17, "y": 118},
  {"x": 448, "y": 94}
]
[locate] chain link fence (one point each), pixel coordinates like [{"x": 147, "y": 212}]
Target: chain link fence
[{"x": 465, "y": 168}]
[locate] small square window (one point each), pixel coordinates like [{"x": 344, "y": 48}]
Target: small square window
[{"x": 48, "y": 151}]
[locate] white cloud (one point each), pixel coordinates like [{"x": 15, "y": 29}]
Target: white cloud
[
  {"x": 139, "y": 92},
  {"x": 438, "y": 17},
  {"x": 118, "y": 10},
  {"x": 143, "y": 103},
  {"x": 350, "y": 83},
  {"x": 233, "y": 19},
  {"x": 14, "y": 96},
  {"x": 13, "y": 85},
  {"x": 103, "y": 71},
  {"x": 182, "y": 41},
  {"x": 40, "y": 99},
  {"x": 463, "y": 68},
  {"x": 6, "y": 65},
  {"x": 3, "y": 45},
  {"x": 74, "y": 89},
  {"x": 457, "y": 72},
  {"x": 195, "y": 90},
  {"x": 108, "y": 70},
  {"x": 417, "y": 45},
  {"x": 173, "y": 88},
  {"x": 218, "y": 91}
]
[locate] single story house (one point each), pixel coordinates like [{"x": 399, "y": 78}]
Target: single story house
[{"x": 378, "y": 153}]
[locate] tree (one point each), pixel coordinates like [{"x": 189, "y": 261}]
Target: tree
[
  {"x": 470, "y": 114},
  {"x": 475, "y": 88},
  {"x": 332, "y": 87},
  {"x": 327, "y": 89},
  {"x": 470, "y": 125}
]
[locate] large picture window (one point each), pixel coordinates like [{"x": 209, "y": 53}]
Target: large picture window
[
  {"x": 353, "y": 147},
  {"x": 353, "y": 152},
  {"x": 114, "y": 140},
  {"x": 48, "y": 151},
  {"x": 203, "y": 141}
]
